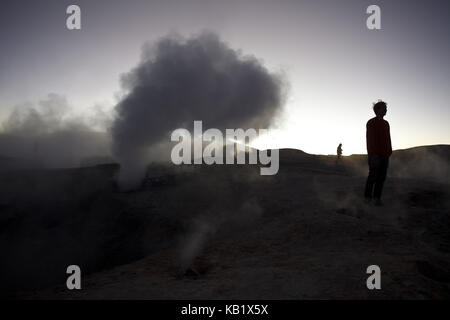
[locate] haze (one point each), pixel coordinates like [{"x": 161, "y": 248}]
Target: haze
[{"x": 334, "y": 65}]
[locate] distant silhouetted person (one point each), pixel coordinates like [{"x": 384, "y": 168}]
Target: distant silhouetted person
[
  {"x": 379, "y": 149},
  {"x": 339, "y": 151}
]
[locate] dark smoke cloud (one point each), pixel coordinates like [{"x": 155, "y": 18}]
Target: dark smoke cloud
[
  {"x": 181, "y": 80},
  {"x": 48, "y": 136}
]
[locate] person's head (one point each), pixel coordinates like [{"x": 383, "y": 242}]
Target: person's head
[{"x": 380, "y": 108}]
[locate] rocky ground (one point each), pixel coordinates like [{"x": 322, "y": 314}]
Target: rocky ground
[{"x": 226, "y": 232}]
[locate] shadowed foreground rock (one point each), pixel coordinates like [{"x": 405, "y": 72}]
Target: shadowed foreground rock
[{"x": 225, "y": 232}]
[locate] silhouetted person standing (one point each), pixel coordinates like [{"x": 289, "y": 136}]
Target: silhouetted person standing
[
  {"x": 339, "y": 151},
  {"x": 379, "y": 149}
]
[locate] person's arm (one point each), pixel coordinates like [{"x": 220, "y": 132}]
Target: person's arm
[
  {"x": 389, "y": 136},
  {"x": 370, "y": 143}
]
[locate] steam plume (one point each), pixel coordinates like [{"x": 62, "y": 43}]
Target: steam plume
[{"x": 181, "y": 80}]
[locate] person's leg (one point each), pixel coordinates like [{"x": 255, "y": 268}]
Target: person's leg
[
  {"x": 381, "y": 177},
  {"x": 371, "y": 177}
]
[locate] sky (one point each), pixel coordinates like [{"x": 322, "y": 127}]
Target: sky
[{"x": 335, "y": 66}]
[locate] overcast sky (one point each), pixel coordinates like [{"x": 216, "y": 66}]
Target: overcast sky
[{"x": 336, "y": 67}]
